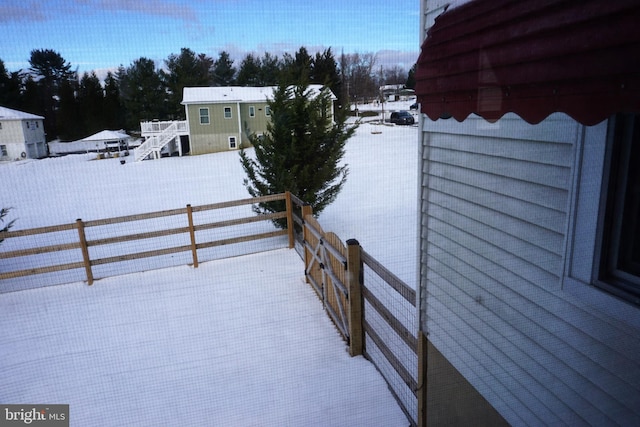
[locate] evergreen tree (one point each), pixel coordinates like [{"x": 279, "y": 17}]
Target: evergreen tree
[
  {"x": 300, "y": 152},
  {"x": 269, "y": 70},
  {"x": 30, "y": 100},
  {"x": 325, "y": 72},
  {"x": 113, "y": 110},
  {"x": 69, "y": 123},
  {"x": 297, "y": 69},
  {"x": 411, "y": 77},
  {"x": 91, "y": 104},
  {"x": 223, "y": 70},
  {"x": 185, "y": 70},
  {"x": 50, "y": 70},
  {"x": 10, "y": 87},
  {"x": 249, "y": 72},
  {"x": 143, "y": 92}
]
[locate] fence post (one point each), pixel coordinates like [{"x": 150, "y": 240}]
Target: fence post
[
  {"x": 290, "y": 230},
  {"x": 305, "y": 210},
  {"x": 192, "y": 235},
  {"x": 85, "y": 251},
  {"x": 356, "y": 306}
]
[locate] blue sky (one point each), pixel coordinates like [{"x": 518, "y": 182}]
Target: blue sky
[{"x": 103, "y": 34}]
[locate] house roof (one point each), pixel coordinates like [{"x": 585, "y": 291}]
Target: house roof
[
  {"x": 490, "y": 57},
  {"x": 223, "y": 94},
  {"x": 106, "y": 135},
  {"x": 9, "y": 114}
]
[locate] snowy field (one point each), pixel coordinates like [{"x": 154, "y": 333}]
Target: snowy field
[{"x": 236, "y": 342}]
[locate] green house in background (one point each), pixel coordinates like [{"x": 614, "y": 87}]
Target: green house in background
[{"x": 222, "y": 118}]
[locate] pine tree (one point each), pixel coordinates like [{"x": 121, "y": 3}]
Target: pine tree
[
  {"x": 223, "y": 70},
  {"x": 301, "y": 151}
]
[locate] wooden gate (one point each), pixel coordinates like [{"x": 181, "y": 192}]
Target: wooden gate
[{"x": 325, "y": 259}]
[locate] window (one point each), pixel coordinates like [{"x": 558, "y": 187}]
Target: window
[
  {"x": 619, "y": 260},
  {"x": 3, "y": 151},
  {"x": 232, "y": 143},
  {"x": 267, "y": 111},
  {"x": 0, "y": 125},
  {"x": 204, "y": 116},
  {"x": 252, "y": 111},
  {"x": 227, "y": 113}
]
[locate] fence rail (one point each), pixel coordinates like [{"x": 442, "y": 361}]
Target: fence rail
[{"x": 29, "y": 256}]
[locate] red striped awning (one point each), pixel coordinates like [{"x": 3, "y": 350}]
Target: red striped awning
[{"x": 533, "y": 58}]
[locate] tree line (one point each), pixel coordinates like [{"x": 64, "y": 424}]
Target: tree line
[{"x": 75, "y": 106}]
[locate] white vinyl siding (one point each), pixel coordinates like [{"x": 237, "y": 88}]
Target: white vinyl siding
[{"x": 496, "y": 202}]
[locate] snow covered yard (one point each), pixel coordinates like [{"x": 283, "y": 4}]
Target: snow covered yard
[
  {"x": 241, "y": 341},
  {"x": 237, "y": 342}
]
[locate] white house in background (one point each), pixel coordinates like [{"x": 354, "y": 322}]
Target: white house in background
[
  {"x": 21, "y": 135},
  {"x": 529, "y": 281}
]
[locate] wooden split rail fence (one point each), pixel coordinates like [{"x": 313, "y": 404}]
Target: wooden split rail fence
[
  {"x": 369, "y": 321},
  {"x": 82, "y": 246}
]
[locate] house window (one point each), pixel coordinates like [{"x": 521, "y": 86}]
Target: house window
[
  {"x": 0, "y": 125},
  {"x": 252, "y": 111},
  {"x": 232, "y": 143},
  {"x": 27, "y": 125},
  {"x": 619, "y": 261},
  {"x": 267, "y": 111},
  {"x": 204, "y": 116},
  {"x": 3, "y": 151},
  {"x": 227, "y": 113}
]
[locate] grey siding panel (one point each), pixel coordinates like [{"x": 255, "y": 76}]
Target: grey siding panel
[
  {"x": 553, "y": 198},
  {"x": 495, "y": 203},
  {"x": 509, "y": 298}
]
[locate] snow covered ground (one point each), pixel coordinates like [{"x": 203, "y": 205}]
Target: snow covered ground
[{"x": 236, "y": 342}]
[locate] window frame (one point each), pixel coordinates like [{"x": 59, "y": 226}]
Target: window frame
[
  {"x": 229, "y": 110},
  {"x": 252, "y": 111},
  {"x": 585, "y": 225},
  {"x": 235, "y": 142},
  {"x": 608, "y": 274},
  {"x": 267, "y": 111},
  {"x": 208, "y": 116}
]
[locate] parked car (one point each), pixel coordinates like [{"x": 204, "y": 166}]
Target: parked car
[
  {"x": 402, "y": 118},
  {"x": 414, "y": 106}
]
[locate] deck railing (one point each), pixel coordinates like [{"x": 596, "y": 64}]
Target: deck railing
[{"x": 154, "y": 127}]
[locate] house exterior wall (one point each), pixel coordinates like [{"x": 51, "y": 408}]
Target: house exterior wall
[
  {"x": 23, "y": 136},
  {"x": 256, "y": 124},
  {"x": 214, "y": 137},
  {"x": 498, "y": 209}
]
